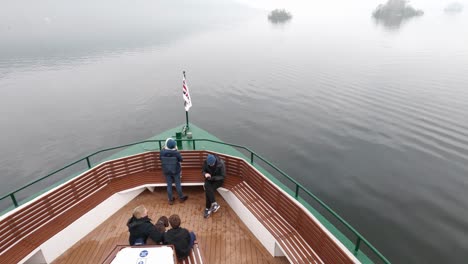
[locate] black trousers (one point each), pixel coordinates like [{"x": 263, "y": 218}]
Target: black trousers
[{"x": 210, "y": 188}]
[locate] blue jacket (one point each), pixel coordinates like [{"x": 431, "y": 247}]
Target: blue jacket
[{"x": 170, "y": 161}]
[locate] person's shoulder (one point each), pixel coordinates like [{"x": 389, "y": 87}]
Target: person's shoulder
[
  {"x": 171, "y": 232},
  {"x": 169, "y": 151},
  {"x": 130, "y": 221},
  {"x": 221, "y": 162}
]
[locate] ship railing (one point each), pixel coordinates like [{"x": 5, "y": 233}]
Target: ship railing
[{"x": 15, "y": 199}]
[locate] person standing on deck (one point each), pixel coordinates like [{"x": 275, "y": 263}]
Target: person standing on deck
[
  {"x": 214, "y": 171},
  {"x": 140, "y": 228},
  {"x": 170, "y": 161}
]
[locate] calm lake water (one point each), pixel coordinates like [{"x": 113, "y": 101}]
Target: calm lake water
[{"x": 371, "y": 116}]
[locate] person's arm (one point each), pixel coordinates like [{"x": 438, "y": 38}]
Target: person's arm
[
  {"x": 223, "y": 168},
  {"x": 187, "y": 237},
  {"x": 205, "y": 171},
  {"x": 220, "y": 171},
  {"x": 204, "y": 168},
  {"x": 154, "y": 234},
  {"x": 179, "y": 157}
]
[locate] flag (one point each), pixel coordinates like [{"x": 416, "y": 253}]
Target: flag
[{"x": 186, "y": 95}]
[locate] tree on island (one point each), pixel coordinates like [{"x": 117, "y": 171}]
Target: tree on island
[
  {"x": 279, "y": 16},
  {"x": 394, "y": 12}
]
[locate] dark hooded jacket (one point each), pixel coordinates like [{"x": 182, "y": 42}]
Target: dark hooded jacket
[
  {"x": 170, "y": 161},
  {"x": 142, "y": 228},
  {"x": 217, "y": 171},
  {"x": 180, "y": 238}
]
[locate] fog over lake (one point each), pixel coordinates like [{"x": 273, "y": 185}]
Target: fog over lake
[{"x": 370, "y": 114}]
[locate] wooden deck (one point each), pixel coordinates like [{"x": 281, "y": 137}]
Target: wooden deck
[{"x": 223, "y": 238}]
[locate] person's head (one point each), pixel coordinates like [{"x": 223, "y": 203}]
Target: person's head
[
  {"x": 211, "y": 160},
  {"x": 174, "y": 220},
  {"x": 161, "y": 224},
  {"x": 163, "y": 220},
  {"x": 140, "y": 211},
  {"x": 170, "y": 143}
]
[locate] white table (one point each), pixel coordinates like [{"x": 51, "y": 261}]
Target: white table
[{"x": 149, "y": 254}]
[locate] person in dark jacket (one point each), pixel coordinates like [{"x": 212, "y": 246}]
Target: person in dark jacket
[
  {"x": 180, "y": 237},
  {"x": 214, "y": 172},
  {"x": 140, "y": 228},
  {"x": 170, "y": 161}
]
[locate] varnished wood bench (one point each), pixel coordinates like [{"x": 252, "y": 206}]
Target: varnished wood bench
[
  {"x": 300, "y": 236},
  {"x": 25, "y": 229},
  {"x": 196, "y": 256},
  {"x": 293, "y": 244}
]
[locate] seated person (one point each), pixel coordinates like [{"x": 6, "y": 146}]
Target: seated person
[
  {"x": 180, "y": 237},
  {"x": 140, "y": 228},
  {"x": 214, "y": 172}
]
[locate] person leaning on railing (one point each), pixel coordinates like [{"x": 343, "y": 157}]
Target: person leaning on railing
[
  {"x": 214, "y": 172},
  {"x": 140, "y": 228}
]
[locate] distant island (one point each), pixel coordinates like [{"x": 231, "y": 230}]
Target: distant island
[
  {"x": 394, "y": 12},
  {"x": 454, "y": 7},
  {"x": 279, "y": 16},
  {"x": 396, "y": 8}
]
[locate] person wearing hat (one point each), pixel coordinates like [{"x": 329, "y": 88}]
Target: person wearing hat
[
  {"x": 214, "y": 171},
  {"x": 170, "y": 162}
]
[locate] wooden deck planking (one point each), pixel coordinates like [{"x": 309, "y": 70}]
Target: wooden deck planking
[{"x": 223, "y": 238}]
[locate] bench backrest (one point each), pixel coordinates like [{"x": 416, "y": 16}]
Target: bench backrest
[{"x": 323, "y": 245}]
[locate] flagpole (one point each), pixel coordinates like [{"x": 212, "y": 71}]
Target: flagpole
[{"x": 186, "y": 112}]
